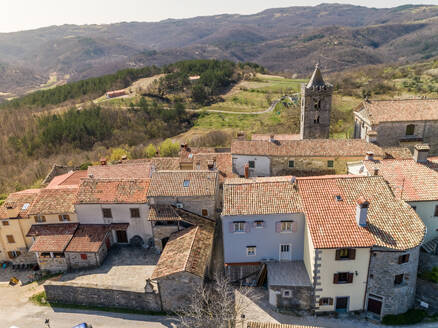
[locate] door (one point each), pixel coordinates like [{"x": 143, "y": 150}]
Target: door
[
  {"x": 374, "y": 306},
  {"x": 341, "y": 304},
  {"x": 285, "y": 252},
  {"x": 122, "y": 237}
]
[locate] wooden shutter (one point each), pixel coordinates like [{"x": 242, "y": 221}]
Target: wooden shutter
[
  {"x": 60, "y": 217},
  {"x": 18, "y": 253},
  {"x": 320, "y": 301},
  {"x": 330, "y": 301},
  {"x": 350, "y": 278},
  {"x": 352, "y": 254},
  {"x": 294, "y": 227},
  {"x": 400, "y": 259},
  {"x": 338, "y": 254},
  {"x": 336, "y": 278},
  {"x": 43, "y": 218},
  {"x": 407, "y": 257},
  {"x": 278, "y": 226},
  {"x": 11, "y": 255},
  {"x": 254, "y": 224}
]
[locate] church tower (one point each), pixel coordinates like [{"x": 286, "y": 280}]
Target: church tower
[{"x": 316, "y": 105}]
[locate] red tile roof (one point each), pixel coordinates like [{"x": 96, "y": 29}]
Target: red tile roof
[
  {"x": 51, "y": 237},
  {"x": 407, "y": 110},
  {"x": 223, "y": 162},
  {"x": 163, "y": 213},
  {"x": 409, "y": 180},
  {"x": 306, "y": 148},
  {"x": 54, "y": 201},
  {"x": 20, "y": 202},
  {"x": 115, "y": 191},
  {"x": 121, "y": 171},
  {"x": 159, "y": 163},
  {"x": 267, "y": 137},
  {"x": 88, "y": 238},
  {"x": 72, "y": 178}
]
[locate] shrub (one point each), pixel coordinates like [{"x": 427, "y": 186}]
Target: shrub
[
  {"x": 169, "y": 148},
  {"x": 408, "y": 318},
  {"x": 430, "y": 275},
  {"x": 150, "y": 151}
]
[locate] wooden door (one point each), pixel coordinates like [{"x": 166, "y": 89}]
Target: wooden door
[
  {"x": 122, "y": 237},
  {"x": 374, "y": 306}
]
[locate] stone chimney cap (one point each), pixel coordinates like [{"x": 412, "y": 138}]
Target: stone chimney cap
[
  {"x": 362, "y": 201},
  {"x": 422, "y": 147}
]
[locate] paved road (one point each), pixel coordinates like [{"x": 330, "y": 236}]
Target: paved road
[{"x": 15, "y": 309}]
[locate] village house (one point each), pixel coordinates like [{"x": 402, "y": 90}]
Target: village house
[
  {"x": 261, "y": 158},
  {"x": 413, "y": 181},
  {"x": 398, "y": 122},
  {"x": 364, "y": 258},
  {"x": 196, "y": 191},
  {"x": 116, "y": 201}
]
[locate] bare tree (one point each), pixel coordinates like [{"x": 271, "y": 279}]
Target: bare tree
[{"x": 218, "y": 304}]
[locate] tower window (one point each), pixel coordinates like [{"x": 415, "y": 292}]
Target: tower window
[
  {"x": 410, "y": 130},
  {"x": 317, "y": 104},
  {"x": 316, "y": 120}
]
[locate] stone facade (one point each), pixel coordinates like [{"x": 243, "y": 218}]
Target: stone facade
[
  {"x": 162, "y": 232},
  {"x": 245, "y": 273},
  {"x": 428, "y": 292},
  {"x": 194, "y": 204},
  {"x": 176, "y": 290},
  {"x": 105, "y": 297},
  {"x": 300, "y": 298},
  {"x": 384, "y": 266},
  {"x": 53, "y": 264}
]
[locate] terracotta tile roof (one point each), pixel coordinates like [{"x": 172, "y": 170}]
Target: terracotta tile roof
[
  {"x": 159, "y": 163},
  {"x": 408, "y": 179},
  {"x": 261, "y": 196},
  {"x": 121, "y": 171},
  {"x": 186, "y": 251},
  {"x": 88, "y": 238},
  {"x": 407, "y": 110},
  {"x": 113, "y": 191},
  {"x": 223, "y": 162},
  {"x": 397, "y": 153},
  {"x": 72, "y": 178},
  {"x": 51, "y": 237},
  {"x": 163, "y": 213},
  {"x": 193, "y": 218},
  {"x": 54, "y": 201},
  {"x": 391, "y": 222},
  {"x": 306, "y": 148},
  {"x": 267, "y": 137},
  {"x": 432, "y": 163},
  {"x": 19, "y": 202},
  {"x": 171, "y": 183}
]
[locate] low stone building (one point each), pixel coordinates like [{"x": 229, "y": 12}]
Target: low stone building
[{"x": 398, "y": 122}]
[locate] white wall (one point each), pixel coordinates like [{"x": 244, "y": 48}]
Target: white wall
[
  {"x": 426, "y": 211},
  {"x": 262, "y": 165},
  {"x": 309, "y": 252},
  {"x": 92, "y": 214}
]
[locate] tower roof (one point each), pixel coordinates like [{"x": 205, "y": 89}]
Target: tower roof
[{"x": 316, "y": 79}]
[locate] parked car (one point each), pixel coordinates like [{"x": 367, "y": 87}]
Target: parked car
[{"x": 83, "y": 325}]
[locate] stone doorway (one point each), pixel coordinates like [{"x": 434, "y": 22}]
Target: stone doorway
[{"x": 375, "y": 306}]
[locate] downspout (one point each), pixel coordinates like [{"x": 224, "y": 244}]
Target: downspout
[{"x": 366, "y": 285}]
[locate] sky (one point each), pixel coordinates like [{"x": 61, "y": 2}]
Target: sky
[{"x": 18, "y": 15}]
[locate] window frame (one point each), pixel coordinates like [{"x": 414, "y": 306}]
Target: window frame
[
  {"x": 10, "y": 239},
  {"x": 289, "y": 164},
  {"x": 254, "y": 250},
  {"x": 349, "y": 254},
  {"x": 410, "y": 130},
  {"x": 403, "y": 258},
  {"x": 284, "y": 291},
  {"x": 325, "y": 301},
  {"x": 39, "y": 218},
  {"x": 5, "y": 223},
  {"x": 251, "y": 164},
  {"x": 284, "y": 225},
  {"x": 134, "y": 210},
  {"x": 204, "y": 212},
  {"x": 257, "y": 226},
  {"x": 239, "y": 224},
  {"x": 399, "y": 279},
  {"x": 104, "y": 213},
  {"x": 330, "y": 163},
  {"x": 64, "y": 218}
]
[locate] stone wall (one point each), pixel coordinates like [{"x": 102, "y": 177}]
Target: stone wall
[
  {"x": 427, "y": 262},
  {"x": 55, "y": 264},
  {"x": 428, "y": 292},
  {"x": 68, "y": 294},
  {"x": 77, "y": 262},
  {"x": 384, "y": 267},
  {"x": 192, "y": 204},
  {"x": 300, "y": 298},
  {"x": 163, "y": 231},
  {"x": 176, "y": 290},
  {"x": 246, "y": 273}
]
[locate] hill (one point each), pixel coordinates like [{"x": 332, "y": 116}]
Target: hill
[{"x": 287, "y": 40}]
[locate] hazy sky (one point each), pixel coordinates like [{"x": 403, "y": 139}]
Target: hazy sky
[{"x": 18, "y": 15}]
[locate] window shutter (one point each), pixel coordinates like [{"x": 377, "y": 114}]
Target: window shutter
[
  {"x": 11, "y": 255},
  {"x": 338, "y": 254},
  {"x": 330, "y": 301},
  {"x": 407, "y": 257},
  {"x": 254, "y": 224},
  {"x": 320, "y": 301},
  {"x": 18, "y": 253},
  {"x": 294, "y": 227},
  {"x": 277, "y": 226},
  {"x": 43, "y": 218},
  {"x": 231, "y": 226},
  {"x": 400, "y": 259},
  {"x": 247, "y": 227},
  {"x": 335, "y": 278},
  {"x": 350, "y": 278},
  {"x": 352, "y": 254},
  {"x": 60, "y": 217}
]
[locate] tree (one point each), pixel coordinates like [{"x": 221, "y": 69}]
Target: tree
[
  {"x": 168, "y": 148},
  {"x": 150, "y": 151},
  {"x": 216, "y": 305},
  {"x": 118, "y": 153}
]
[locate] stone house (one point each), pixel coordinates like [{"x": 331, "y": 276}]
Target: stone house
[
  {"x": 184, "y": 262},
  {"x": 263, "y": 158},
  {"x": 196, "y": 191},
  {"x": 398, "y": 122},
  {"x": 116, "y": 201},
  {"x": 282, "y": 224}
]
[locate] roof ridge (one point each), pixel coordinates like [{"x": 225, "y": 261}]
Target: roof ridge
[{"x": 191, "y": 248}]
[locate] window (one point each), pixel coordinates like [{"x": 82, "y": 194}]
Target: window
[
  {"x": 239, "y": 226},
  {"x": 250, "y": 250},
  {"x": 186, "y": 183},
  {"x": 64, "y": 218},
  {"x": 286, "y": 226},
  {"x": 14, "y": 254},
  {"x": 5, "y": 223},
  {"x": 345, "y": 254},
  {"x": 436, "y": 210},
  {"x": 287, "y": 293},
  {"x": 410, "y": 130},
  {"x": 317, "y": 104},
  {"x": 403, "y": 259},
  {"x": 58, "y": 255},
  {"x": 135, "y": 212},
  {"x": 45, "y": 254},
  {"x": 251, "y": 164},
  {"x": 326, "y": 301},
  {"x": 40, "y": 218},
  {"x": 398, "y": 279},
  {"x": 204, "y": 212},
  {"x": 316, "y": 120},
  {"x": 291, "y": 164},
  {"x": 10, "y": 239},
  {"x": 343, "y": 278},
  {"x": 259, "y": 224},
  {"x": 107, "y": 213},
  {"x": 330, "y": 163},
  {"x": 84, "y": 256}
]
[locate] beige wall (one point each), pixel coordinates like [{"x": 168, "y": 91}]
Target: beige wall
[
  {"x": 355, "y": 291},
  {"x": 14, "y": 228}
]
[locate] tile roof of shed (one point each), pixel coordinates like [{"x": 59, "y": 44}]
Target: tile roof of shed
[
  {"x": 88, "y": 238},
  {"x": 163, "y": 213},
  {"x": 224, "y": 163},
  {"x": 273, "y": 195},
  {"x": 171, "y": 183},
  {"x": 72, "y": 178},
  {"x": 306, "y": 148},
  {"x": 113, "y": 191},
  {"x": 391, "y": 222},
  {"x": 406, "y": 110},
  {"x": 121, "y": 171},
  {"x": 51, "y": 237},
  {"x": 408, "y": 179},
  {"x": 54, "y": 201},
  {"x": 17, "y": 200}
]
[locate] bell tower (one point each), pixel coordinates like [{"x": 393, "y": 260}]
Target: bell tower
[{"x": 316, "y": 105}]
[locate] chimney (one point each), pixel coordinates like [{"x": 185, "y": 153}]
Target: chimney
[
  {"x": 362, "y": 211},
  {"x": 369, "y": 156},
  {"x": 272, "y": 138},
  {"x": 375, "y": 171},
  {"x": 371, "y": 136},
  {"x": 421, "y": 152},
  {"x": 210, "y": 165},
  {"x": 124, "y": 158},
  {"x": 246, "y": 171},
  {"x": 103, "y": 161},
  {"x": 241, "y": 135},
  {"x": 90, "y": 175}
]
